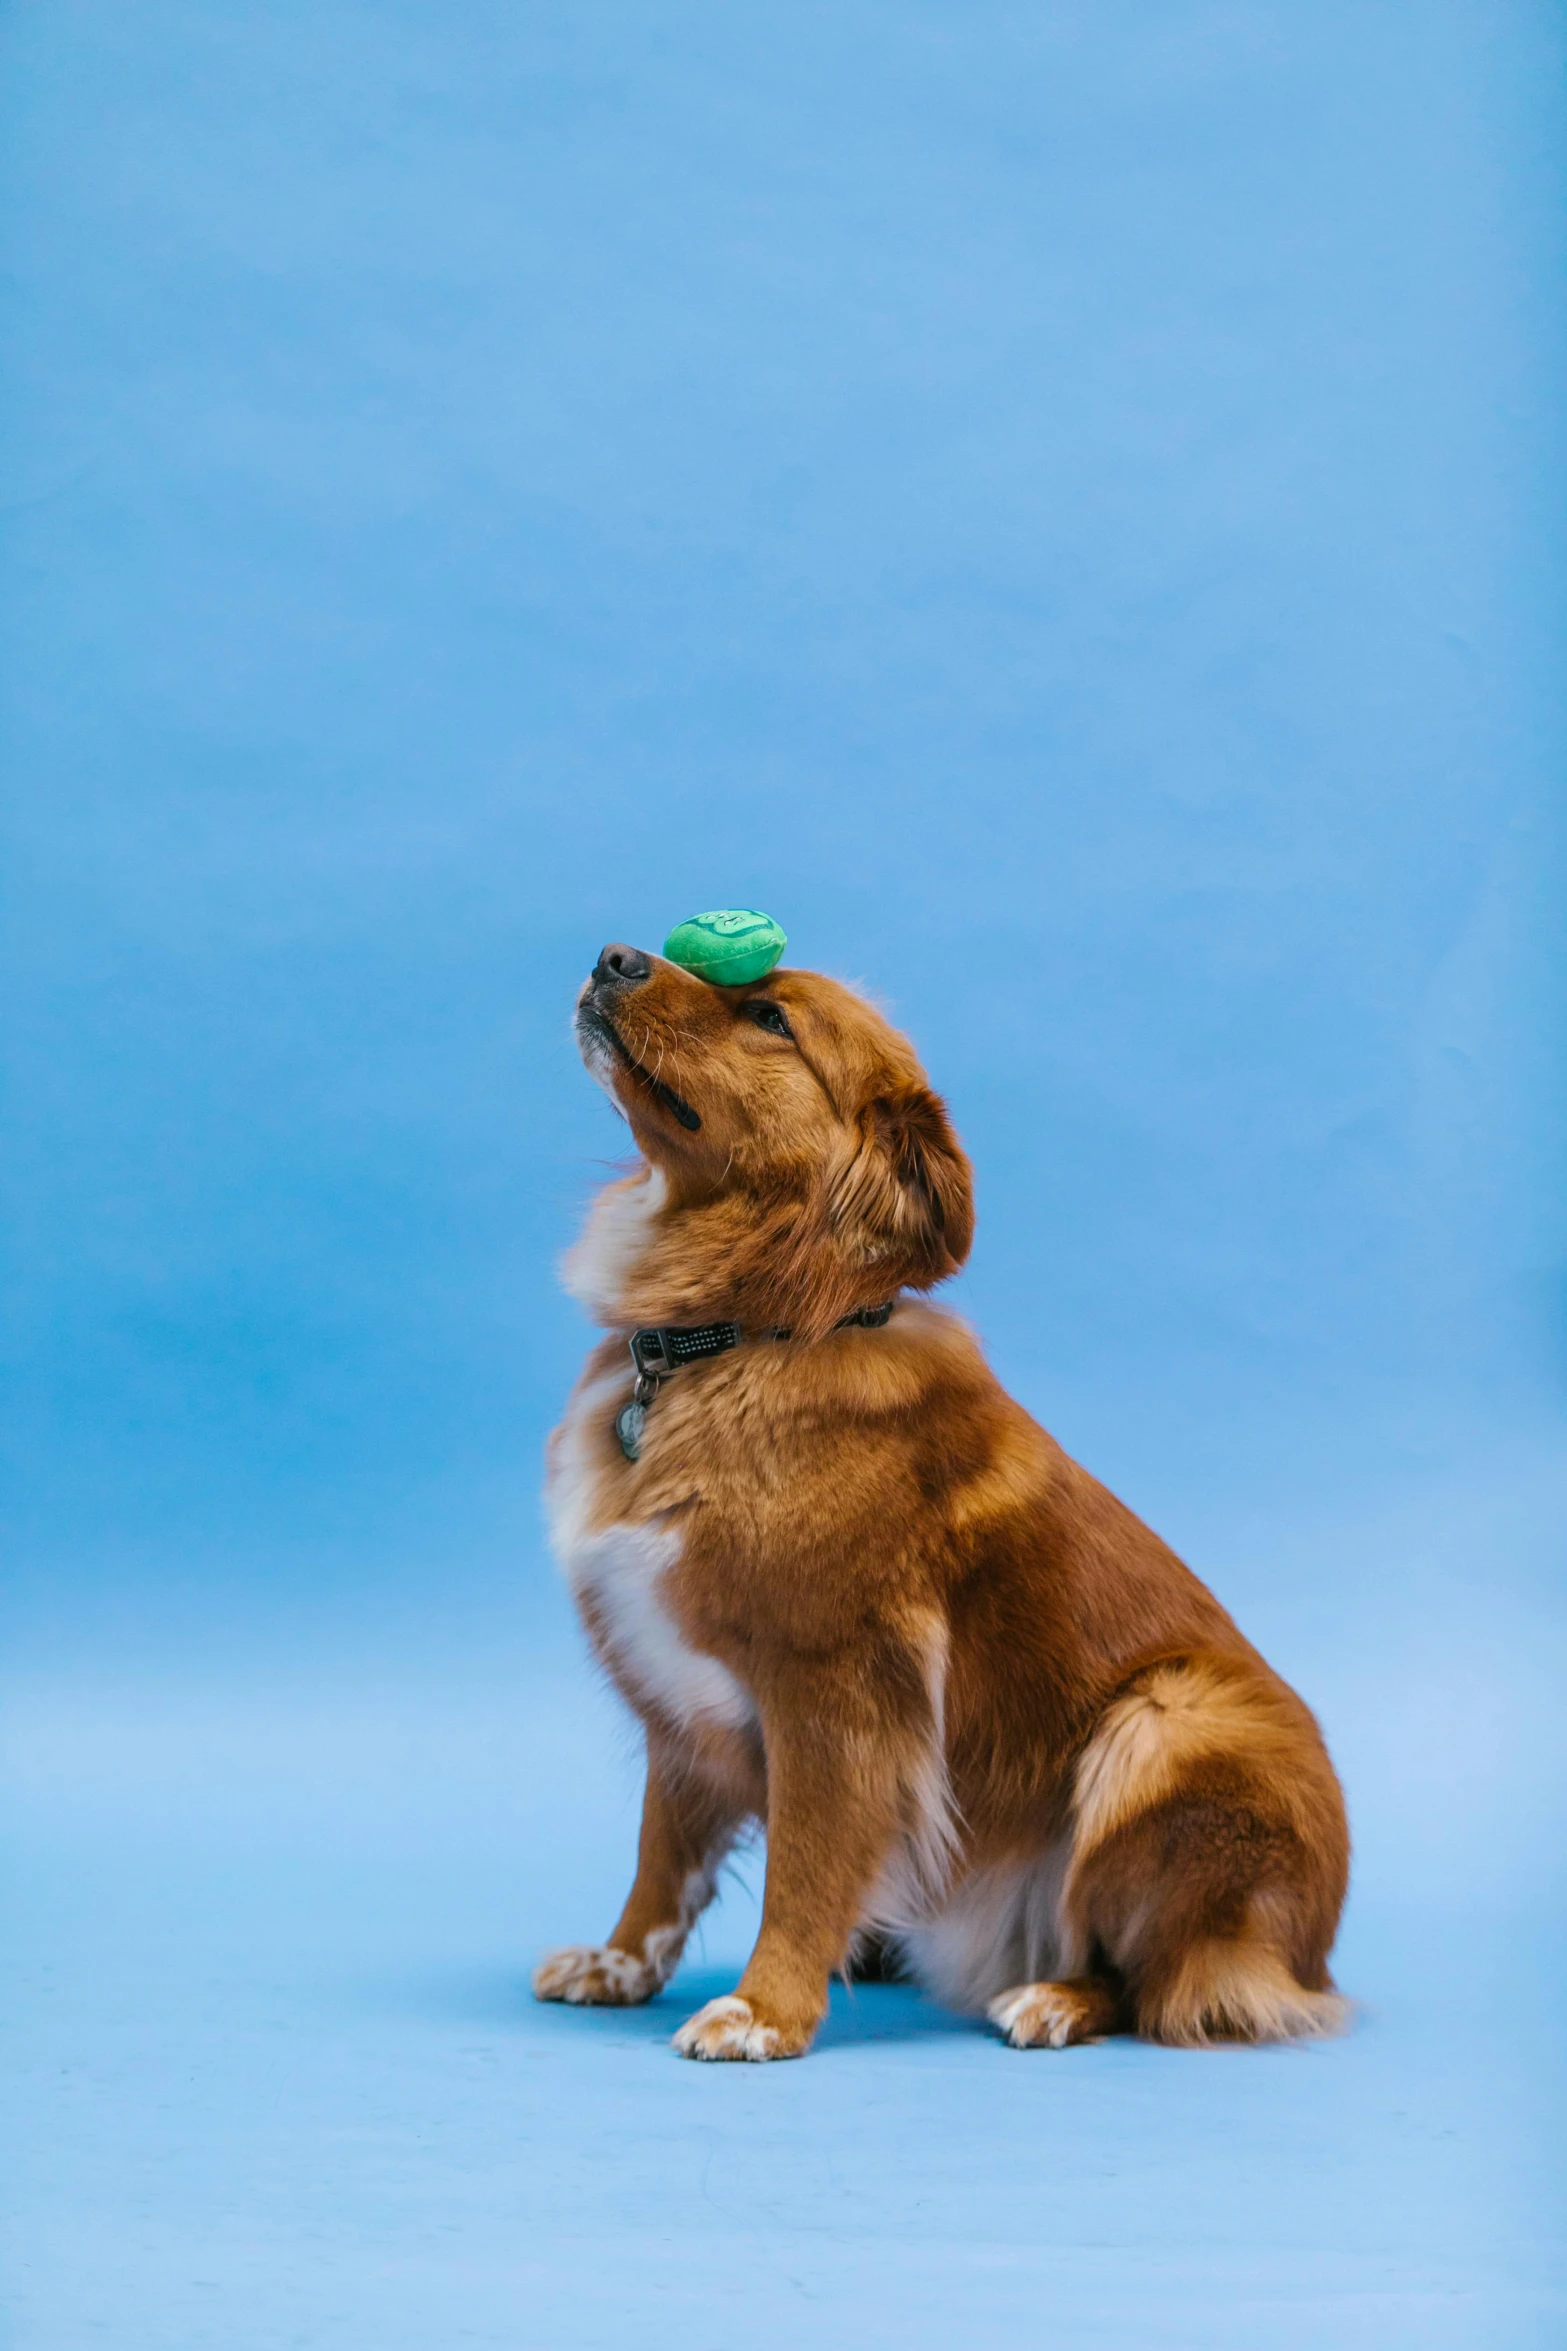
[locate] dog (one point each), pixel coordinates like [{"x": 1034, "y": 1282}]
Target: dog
[{"x": 858, "y": 1596}]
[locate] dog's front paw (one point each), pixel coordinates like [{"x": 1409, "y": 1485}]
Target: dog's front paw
[
  {"x": 595, "y": 1975},
  {"x": 731, "y": 2028}
]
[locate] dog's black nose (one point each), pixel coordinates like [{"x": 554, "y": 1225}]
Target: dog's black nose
[{"x": 621, "y": 967}]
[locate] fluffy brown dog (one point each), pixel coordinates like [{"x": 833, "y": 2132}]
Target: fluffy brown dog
[{"x": 856, "y": 1594}]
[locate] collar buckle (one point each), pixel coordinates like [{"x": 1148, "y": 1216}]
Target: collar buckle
[
  {"x": 656, "y": 1353},
  {"x": 651, "y": 1354}
]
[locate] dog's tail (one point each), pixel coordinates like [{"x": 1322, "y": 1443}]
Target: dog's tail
[{"x": 1235, "y": 1989}]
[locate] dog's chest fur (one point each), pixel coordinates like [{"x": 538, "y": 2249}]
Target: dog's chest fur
[
  {"x": 619, "y": 1572},
  {"x": 618, "y": 1568}
]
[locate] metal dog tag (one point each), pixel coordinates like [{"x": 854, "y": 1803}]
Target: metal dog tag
[{"x": 629, "y": 1423}]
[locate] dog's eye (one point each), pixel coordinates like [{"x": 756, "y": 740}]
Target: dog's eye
[{"x": 769, "y": 1016}]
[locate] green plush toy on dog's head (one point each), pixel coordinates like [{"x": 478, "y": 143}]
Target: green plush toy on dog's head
[{"x": 730, "y": 948}]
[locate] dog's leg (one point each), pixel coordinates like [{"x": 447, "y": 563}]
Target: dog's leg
[
  {"x": 1055, "y": 2016},
  {"x": 1207, "y": 1870},
  {"x": 1207, "y": 1909},
  {"x": 688, "y": 1824},
  {"x": 845, "y": 1772}
]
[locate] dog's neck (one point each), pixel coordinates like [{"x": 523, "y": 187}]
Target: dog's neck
[
  {"x": 604, "y": 1266},
  {"x": 644, "y": 1259}
]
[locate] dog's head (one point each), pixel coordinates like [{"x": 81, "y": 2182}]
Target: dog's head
[{"x": 808, "y": 1169}]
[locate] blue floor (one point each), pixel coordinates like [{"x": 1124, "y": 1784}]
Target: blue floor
[{"x": 277, "y": 2079}]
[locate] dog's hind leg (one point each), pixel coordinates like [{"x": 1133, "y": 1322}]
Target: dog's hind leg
[
  {"x": 1205, "y": 1905},
  {"x": 1055, "y": 2016},
  {"x": 1207, "y": 1870}
]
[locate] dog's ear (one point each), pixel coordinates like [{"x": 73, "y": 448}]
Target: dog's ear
[{"x": 905, "y": 1201}]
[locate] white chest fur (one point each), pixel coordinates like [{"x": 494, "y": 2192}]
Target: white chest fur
[{"x": 618, "y": 1573}]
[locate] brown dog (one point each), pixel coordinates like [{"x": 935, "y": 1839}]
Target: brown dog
[{"x": 855, "y": 1593}]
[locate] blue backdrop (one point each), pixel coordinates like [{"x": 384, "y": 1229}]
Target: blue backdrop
[{"x": 1061, "y": 505}]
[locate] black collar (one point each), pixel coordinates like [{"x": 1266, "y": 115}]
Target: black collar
[{"x": 658, "y": 1351}]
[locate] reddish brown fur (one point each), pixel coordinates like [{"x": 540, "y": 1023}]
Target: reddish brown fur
[{"x": 942, "y": 1664}]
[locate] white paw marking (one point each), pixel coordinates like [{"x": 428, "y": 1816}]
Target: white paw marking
[
  {"x": 591, "y": 1975},
  {"x": 1036, "y": 2016},
  {"x": 727, "y": 2028}
]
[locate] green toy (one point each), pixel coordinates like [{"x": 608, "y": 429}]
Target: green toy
[{"x": 730, "y": 948}]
